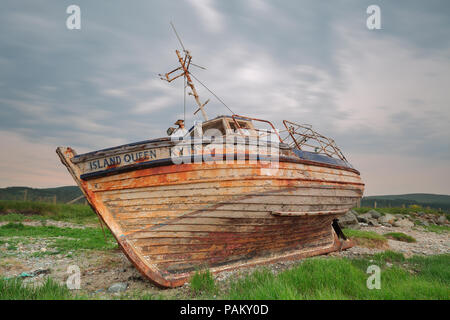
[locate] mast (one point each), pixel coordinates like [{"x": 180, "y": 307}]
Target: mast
[{"x": 184, "y": 68}]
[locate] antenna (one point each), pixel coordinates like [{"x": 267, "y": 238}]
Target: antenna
[
  {"x": 176, "y": 33},
  {"x": 185, "y": 62}
]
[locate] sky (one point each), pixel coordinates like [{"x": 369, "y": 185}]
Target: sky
[{"x": 383, "y": 95}]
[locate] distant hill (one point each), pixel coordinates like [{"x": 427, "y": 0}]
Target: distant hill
[
  {"x": 66, "y": 194},
  {"x": 434, "y": 201},
  {"x": 63, "y": 194}
]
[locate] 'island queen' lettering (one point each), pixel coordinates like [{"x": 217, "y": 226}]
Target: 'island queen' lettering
[{"x": 127, "y": 158}]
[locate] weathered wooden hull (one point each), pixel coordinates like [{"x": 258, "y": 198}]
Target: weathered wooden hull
[{"x": 171, "y": 220}]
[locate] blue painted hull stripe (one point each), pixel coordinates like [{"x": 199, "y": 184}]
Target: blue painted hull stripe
[{"x": 199, "y": 159}]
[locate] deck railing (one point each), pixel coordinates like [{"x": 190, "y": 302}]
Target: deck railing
[{"x": 304, "y": 138}]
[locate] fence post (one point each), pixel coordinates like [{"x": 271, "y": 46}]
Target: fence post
[
  {"x": 54, "y": 199},
  {"x": 25, "y": 194}
]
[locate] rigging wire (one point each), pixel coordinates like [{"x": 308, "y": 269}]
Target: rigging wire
[
  {"x": 220, "y": 100},
  {"x": 184, "y": 99}
]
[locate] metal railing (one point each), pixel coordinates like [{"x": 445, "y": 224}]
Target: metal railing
[
  {"x": 304, "y": 138},
  {"x": 234, "y": 116}
]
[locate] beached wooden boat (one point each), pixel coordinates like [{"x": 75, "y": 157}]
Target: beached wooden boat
[{"x": 235, "y": 198}]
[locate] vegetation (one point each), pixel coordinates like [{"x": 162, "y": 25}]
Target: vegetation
[
  {"x": 333, "y": 278},
  {"x": 418, "y": 277},
  {"x": 315, "y": 278},
  {"x": 203, "y": 282},
  {"x": 16, "y": 211},
  {"x": 15, "y": 289},
  {"x": 63, "y": 194},
  {"x": 424, "y": 200},
  {"x": 61, "y": 239},
  {"x": 436, "y": 228},
  {"x": 399, "y": 236},
  {"x": 367, "y": 239}
]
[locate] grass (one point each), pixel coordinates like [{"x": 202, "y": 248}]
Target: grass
[
  {"x": 203, "y": 282},
  {"x": 15, "y": 289},
  {"x": 316, "y": 278},
  {"x": 399, "y": 236},
  {"x": 367, "y": 239},
  {"x": 17, "y": 211},
  {"x": 418, "y": 277},
  {"x": 63, "y": 239},
  {"x": 334, "y": 278},
  {"x": 436, "y": 228}
]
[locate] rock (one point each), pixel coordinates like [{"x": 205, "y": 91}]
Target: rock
[
  {"x": 442, "y": 220},
  {"x": 373, "y": 222},
  {"x": 118, "y": 287},
  {"x": 388, "y": 218},
  {"x": 421, "y": 213},
  {"x": 375, "y": 214},
  {"x": 425, "y": 223},
  {"x": 403, "y": 223},
  {"x": 40, "y": 271},
  {"x": 349, "y": 220},
  {"x": 364, "y": 217}
]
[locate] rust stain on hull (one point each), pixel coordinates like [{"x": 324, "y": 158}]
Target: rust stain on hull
[{"x": 170, "y": 220}]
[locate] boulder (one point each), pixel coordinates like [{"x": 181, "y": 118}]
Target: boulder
[
  {"x": 364, "y": 217},
  {"x": 349, "y": 220},
  {"x": 373, "y": 222},
  {"x": 387, "y": 218},
  {"x": 375, "y": 214},
  {"x": 403, "y": 223},
  {"x": 442, "y": 220},
  {"x": 118, "y": 287}
]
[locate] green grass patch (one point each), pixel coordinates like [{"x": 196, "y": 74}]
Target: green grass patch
[
  {"x": 64, "y": 239},
  {"x": 16, "y": 211},
  {"x": 399, "y": 236},
  {"x": 436, "y": 228},
  {"x": 203, "y": 282},
  {"x": 367, "y": 239},
  {"x": 436, "y": 268},
  {"x": 334, "y": 278},
  {"x": 15, "y": 289}
]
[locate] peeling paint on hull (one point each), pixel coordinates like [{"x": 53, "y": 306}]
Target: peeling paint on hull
[{"x": 171, "y": 220}]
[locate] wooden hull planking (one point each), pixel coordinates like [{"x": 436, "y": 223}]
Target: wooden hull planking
[{"x": 172, "y": 220}]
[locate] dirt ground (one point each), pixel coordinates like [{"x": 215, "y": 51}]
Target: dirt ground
[{"x": 100, "y": 269}]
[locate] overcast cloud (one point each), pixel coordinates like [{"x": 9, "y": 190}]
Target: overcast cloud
[{"x": 381, "y": 94}]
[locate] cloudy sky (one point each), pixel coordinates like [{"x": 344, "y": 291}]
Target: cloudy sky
[{"x": 383, "y": 95}]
